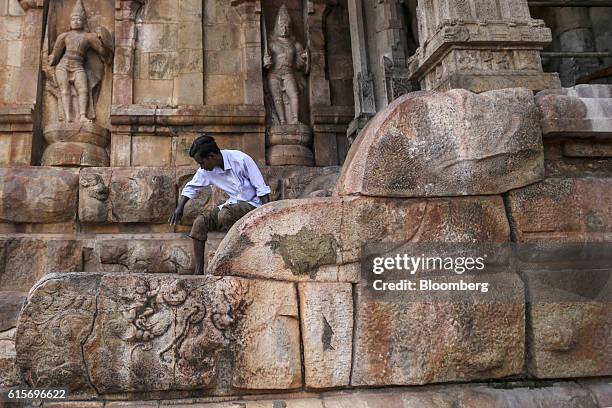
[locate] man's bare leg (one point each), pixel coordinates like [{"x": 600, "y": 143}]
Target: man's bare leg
[{"x": 198, "y": 253}]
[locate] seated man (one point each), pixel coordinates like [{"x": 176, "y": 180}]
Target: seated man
[{"x": 232, "y": 171}]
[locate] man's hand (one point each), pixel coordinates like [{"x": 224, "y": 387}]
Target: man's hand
[
  {"x": 265, "y": 199},
  {"x": 176, "y": 217},
  {"x": 178, "y": 213}
]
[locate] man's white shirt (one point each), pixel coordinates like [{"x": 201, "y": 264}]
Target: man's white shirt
[{"x": 241, "y": 179}]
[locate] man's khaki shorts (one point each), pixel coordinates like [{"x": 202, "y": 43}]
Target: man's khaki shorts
[{"x": 218, "y": 219}]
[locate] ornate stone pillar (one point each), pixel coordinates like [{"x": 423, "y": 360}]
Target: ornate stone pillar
[
  {"x": 249, "y": 12},
  {"x": 391, "y": 37},
  {"x": 319, "y": 85},
  {"x": 480, "y": 45},
  {"x": 125, "y": 44},
  {"x": 363, "y": 82},
  {"x": 20, "y": 40}
]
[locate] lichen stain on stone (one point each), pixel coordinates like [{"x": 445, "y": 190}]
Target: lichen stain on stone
[
  {"x": 242, "y": 243},
  {"x": 305, "y": 251}
]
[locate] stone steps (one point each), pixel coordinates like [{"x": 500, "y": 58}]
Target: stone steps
[{"x": 25, "y": 258}]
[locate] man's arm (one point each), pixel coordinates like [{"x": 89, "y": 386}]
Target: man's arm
[
  {"x": 198, "y": 181},
  {"x": 257, "y": 180}
]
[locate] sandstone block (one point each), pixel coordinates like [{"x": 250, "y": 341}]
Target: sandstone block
[
  {"x": 327, "y": 331},
  {"x": 316, "y": 239},
  {"x": 8, "y": 372},
  {"x": 10, "y": 306},
  {"x": 38, "y": 195},
  {"x": 570, "y": 339},
  {"x": 127, "y": 195},
  {"x": 138, "y": 332},
  {"x": 133, "y": 254},
  {"x": 569, "y": 209},
  {"x": 418, "y": 339},
  {"x": 26, "y": 259},
  {"x": 583, "y": 110},
  {"x": 446, "y": 144}
]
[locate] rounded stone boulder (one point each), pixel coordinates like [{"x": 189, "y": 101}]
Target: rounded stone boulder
[{"x": 455, "y": 143}]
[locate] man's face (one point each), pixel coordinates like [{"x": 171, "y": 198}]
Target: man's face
[
  {"x": 76, "y": 22},
  {"x": 206, "y": 163}
]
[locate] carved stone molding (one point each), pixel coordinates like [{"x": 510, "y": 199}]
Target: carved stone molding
[{"x": 489, "y": 47}]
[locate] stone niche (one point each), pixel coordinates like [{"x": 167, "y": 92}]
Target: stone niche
[
  {"x": 77, "y": 58},
  {"x": 307, "y": 67},
  {"x": 21, "y": 23}
]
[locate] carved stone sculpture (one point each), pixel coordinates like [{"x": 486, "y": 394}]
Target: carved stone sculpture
[
  {"x": 288, "y": 139},
  {"x": 74, "y": 73},
  {"x": 283, "y": 56}
]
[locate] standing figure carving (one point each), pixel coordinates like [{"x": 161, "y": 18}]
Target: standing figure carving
[
  {"x": 283, "y": 56},
  {"x": 77, "y": 68}
]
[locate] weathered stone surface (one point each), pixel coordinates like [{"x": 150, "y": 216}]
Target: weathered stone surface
[
  {"x": 570, "y": 339},
  {"x": 318, "y": 238},
  {"x": 153, "y": 254},
  {"x": 128, "y": 333},
  {"x": 601, "y": 389},
  {"x": 467, "y": 396},
  {"x": 571, "y": 209},
  {"x": 24, "y": 259},
  {"x": 38, "y": 195},
  {"x": 8, "y": 372},
  {"x": 416, "y": 338},
  {"x": 127, "y": 195},
  {"x": 584, "y": 110},
  {"x": 52, "y": 328},
  {"x": 445, "y": 144},
  {"x": 327, "y": 333},
  {"x": 493, "y": 395},
  {"x": 10, "y": 306}
]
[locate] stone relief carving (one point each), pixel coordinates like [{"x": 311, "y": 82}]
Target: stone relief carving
[
  {"x": 74, "y": 72},
  {"x": 65, "y": 311},
  {"x": 79, "y": 58},
  {"x": 283, "y": 56}
]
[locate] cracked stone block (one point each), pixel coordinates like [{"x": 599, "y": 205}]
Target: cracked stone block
[
  {"x": 327, "y": 333},
  {"x": 453, "y": 143},
  {"x": 115, "y": 333},
  {"x": 565, "y": 209},
  {"x": 122, "y": 195},
  {"x": 38, "y": 195},
  {"x": 321, "y": 239}
]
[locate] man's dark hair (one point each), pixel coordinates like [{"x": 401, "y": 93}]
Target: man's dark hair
[{"x": 203, "y": 146}]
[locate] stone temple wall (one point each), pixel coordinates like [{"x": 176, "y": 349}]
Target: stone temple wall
[
  {"x": 95, "y": 287},
  {"x": 286, "y": 307}
]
